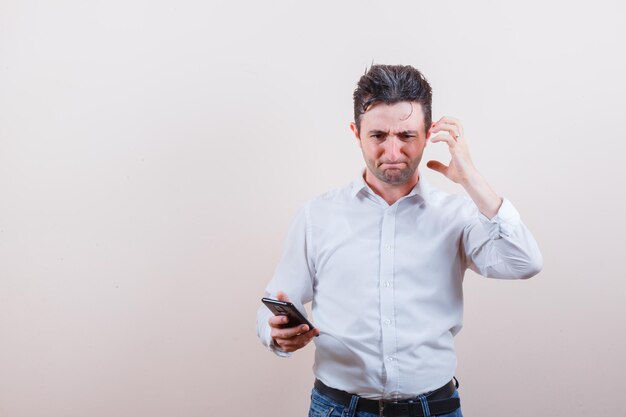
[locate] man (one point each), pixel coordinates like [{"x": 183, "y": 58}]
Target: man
[{"x": 383, "y": 260}]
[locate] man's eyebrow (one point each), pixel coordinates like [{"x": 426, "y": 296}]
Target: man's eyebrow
[
  {"x": 404, "y": 132},
  {"x": 377, "y": 132}
]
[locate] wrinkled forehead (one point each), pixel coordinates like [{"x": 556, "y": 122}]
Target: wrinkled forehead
[{"x": 401, "y": 116}]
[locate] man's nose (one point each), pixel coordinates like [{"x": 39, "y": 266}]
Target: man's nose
[{"x": 393, "y": 150}]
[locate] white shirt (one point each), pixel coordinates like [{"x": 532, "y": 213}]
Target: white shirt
[{"x": 386, "y": 282}]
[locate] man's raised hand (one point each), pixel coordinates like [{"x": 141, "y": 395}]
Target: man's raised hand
[{"x": 461, "y": 168}]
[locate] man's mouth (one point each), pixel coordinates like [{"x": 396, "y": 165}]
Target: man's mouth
[{"x": 395, "y": 165}]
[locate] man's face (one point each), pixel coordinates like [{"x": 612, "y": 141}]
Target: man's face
[{"x": 392, "y": 138}]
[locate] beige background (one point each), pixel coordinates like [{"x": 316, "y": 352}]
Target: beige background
[{"x": 153, "y": 153}]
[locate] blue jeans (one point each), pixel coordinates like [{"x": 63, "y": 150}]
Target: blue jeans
[{"x": 323, "y": 406}]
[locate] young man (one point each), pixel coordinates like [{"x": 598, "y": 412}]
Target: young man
[{"x": 383, "y": 260}]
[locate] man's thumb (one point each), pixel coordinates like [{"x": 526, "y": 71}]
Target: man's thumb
[
  {"x": 281, "y": 296},
  {"x": 437, "y": 166}
]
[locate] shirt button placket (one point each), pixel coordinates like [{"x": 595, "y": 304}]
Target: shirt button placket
[{"x": 387, "y": 298}]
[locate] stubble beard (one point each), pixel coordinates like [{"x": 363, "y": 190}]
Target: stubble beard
[{"x": 394, "y": 176}]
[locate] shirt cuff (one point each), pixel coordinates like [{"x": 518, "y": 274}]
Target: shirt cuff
[{"x": 504, "y": 223}]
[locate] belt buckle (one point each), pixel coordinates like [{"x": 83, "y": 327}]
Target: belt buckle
[{"x": 381, "y": 408}]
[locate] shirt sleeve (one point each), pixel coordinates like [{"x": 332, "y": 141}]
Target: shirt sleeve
[
  {"x": 294, "y": 276},
  {"x": 501, "y": 247}
]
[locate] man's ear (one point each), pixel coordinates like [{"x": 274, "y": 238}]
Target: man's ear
[{"x": 355, "y": 130}]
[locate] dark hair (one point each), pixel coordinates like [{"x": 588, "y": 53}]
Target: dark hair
[{"x": 391, "y": 84}]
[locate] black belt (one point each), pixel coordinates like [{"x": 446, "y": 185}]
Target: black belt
[{"x": 439, "y": 402}]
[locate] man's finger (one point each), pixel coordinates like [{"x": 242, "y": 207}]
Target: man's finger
[
  {"x": 452, "y": 121},
  {"x": 444, "y": 137},
  {"x": 304, "y": 339},
  {"x": 306, "y": 336},
  {"x": 298, "y": 342},
  {"x": 289, "y": 332},
  {"x": 437, "y": 166},
  {"x": 313, "y": 333},
  {"x": 281, "y": 296},
  {"x": 278, "y": 321},
  {"x": 453, "y": 130}
]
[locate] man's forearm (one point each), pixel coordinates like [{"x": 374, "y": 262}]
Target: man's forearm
[{"x": 487, "y": 201}]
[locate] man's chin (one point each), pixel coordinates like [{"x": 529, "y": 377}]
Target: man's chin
[{"x": 395, "y": 176}]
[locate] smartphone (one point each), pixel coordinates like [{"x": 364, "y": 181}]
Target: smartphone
[{"x": 285, "y": 308}]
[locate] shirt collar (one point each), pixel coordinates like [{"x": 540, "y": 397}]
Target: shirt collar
[{"x": 421, "y": 189}]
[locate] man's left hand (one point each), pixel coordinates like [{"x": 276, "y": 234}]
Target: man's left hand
[{"x": 461, "y": 168}]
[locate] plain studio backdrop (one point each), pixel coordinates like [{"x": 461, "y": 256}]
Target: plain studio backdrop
[{"x": 153, "y": 154}]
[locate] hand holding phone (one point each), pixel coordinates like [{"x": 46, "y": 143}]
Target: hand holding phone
[
  {"x": 290, "y": 329},
  {"x": 288, "y": 310}
]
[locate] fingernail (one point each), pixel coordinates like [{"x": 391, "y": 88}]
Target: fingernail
[{"x": 303, "y": 327}]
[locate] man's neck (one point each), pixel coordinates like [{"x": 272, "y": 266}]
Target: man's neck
[{"x": 390, "y": 193}]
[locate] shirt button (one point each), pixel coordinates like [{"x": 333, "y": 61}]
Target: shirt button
[
  {"x": 387, "y": 284},
  {"x": 388, "y": 246},
  {"x": 389, "y": 358},
  {"x": 387, "y": 322}
]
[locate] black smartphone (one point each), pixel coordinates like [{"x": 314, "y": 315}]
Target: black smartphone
[{"x": 285, "y": 308}]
